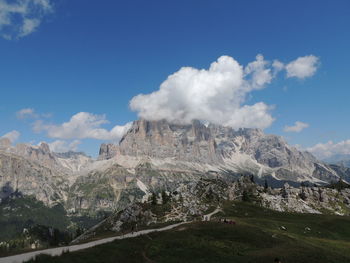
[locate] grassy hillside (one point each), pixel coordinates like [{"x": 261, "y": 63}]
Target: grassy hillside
[{"x": 259, "y": 235}]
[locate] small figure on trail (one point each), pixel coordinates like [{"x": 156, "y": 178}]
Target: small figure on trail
[{"x": 132, "y": 229}]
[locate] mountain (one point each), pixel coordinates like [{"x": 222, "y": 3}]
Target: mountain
[
  {"x": 196, "y": 165},
  {"x": 36, "y": 171},
  {"x": 19, "y": 174},
  {"x": 339, "y": 159},
  {"x": 216, "y": 148},
  {"x": 153, "y": 156}
]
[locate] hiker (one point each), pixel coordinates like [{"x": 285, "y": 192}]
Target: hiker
[{"x": 132, "y": 229}]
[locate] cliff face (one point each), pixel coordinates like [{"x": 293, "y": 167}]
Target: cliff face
[
  {"x": 36, "y": 171},
  {"x": 18, "y": 174},
  {"x": 108, "y": 151},
  {"x": 160, "y": 139},
  {"x": 242, "y": 151}
]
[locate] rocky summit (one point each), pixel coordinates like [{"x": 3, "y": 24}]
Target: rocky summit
[{"x": 216, "y": 148}]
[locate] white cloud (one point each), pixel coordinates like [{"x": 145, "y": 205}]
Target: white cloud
[
  {"x": 297, "y": 127},
  {"x": 12, "y": 135},
  {"x": 81, "y": 126},
  {"x": 64, "y": 146},
  {"x": 30, "y": 113},
  {"x": 216, "y": 95},
  {"x": 302, "y": 67},
  {"x": 277, "y": 66},
  {"x": 20, "y": 18},
  {"x": 260, "y": 74},
  {"x": 29, "y": 26},
  {"x": 326, "y": 150},
  {"x": 26, "y": 113}
]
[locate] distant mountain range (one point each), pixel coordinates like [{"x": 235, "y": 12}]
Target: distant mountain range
[{"x": 339, "y": 159}]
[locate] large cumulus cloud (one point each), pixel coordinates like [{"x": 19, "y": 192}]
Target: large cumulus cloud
[{"x": 216, "y": 95}]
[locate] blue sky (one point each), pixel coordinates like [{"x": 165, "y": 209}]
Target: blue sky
[{"x": 94, "y": 57}]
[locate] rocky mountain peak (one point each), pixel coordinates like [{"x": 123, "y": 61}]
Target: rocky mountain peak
[
  {"x": 45, "y": 147},
  {"x": 161, "y": 139},
  {"x": 244, "y": 150},
  {"x": 40, "y": 154}
]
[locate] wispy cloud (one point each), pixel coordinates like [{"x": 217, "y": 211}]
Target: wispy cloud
[
  {"x": 30, "y": 113},
  {"x": 26, "y": 113},
  {"x": 297, "y": 127},
  {"x": 82, "y": 125},
  {"x": 20, "y": 18},
  {"x": 64, "y": 146},
  {"x": 12, "y": 135}
]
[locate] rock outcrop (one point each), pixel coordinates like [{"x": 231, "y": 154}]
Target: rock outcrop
[
  {"x": 160, "y": 139},
  {"x": 108, "y": 151}
]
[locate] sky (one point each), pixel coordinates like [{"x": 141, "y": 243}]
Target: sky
[{"x": 76, "y": 73}]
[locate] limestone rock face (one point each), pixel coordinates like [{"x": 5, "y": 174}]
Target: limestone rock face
[
  {"x": 18, "y": 174},
  {"x": 40, "y": 154},
  {"x": 160, "y": 139},
  {"x": 240, "y": 151},
  {"x": 36, "y": 171},
  {"x": 73, "y": 162},
  {"x": 108, "y": 151}
]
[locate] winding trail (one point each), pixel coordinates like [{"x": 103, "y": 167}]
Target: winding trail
[
  {"x": 59, "y": 250},
  {"x": 208, "y": 216},
  {"x": 20, "y": 258}
]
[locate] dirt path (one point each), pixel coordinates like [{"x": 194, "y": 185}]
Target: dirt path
[
  {"x": 207, "y": 217},
  {"x": 59, "y": 250}
]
